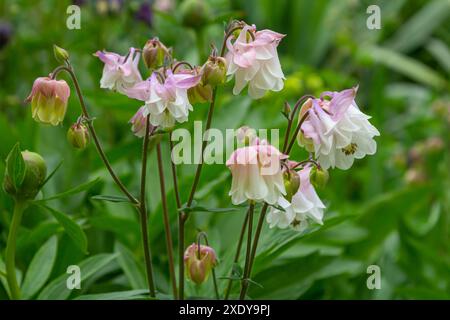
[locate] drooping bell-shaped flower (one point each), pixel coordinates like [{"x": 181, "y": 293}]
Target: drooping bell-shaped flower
[
  {"x": 167, "y": 102},
  {"x": 48, "y": 99},
  {"x": 199, "y": 262},
  {"x": 254, "y": 61},
  {"x": 305, "y": 206},
  {"x": 257, "y": 175},
  {"x": 338, "y": 130},
  {"x": 139, "y": 121},
  {"x": 119, "y": 72}
]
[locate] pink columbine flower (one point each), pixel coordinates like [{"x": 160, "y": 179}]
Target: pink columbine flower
[
  {"x": 119, "y": 73},
  {"x": 338, "y": 130},
  {"x": 305, "y": 206},
  {"x": 139, "y": 121},
  {"x": 255, "y": 62},
  {"x": 48, "y": 99},
  {"x": 166, "y": 102},
  {"x": 199, "y": 262},
  {"x": 257, "y": 175}
]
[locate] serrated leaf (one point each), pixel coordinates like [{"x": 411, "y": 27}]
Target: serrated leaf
[
  {"x": 110, "y": 198},
  {"x": 75, "y": 190},
  {"x": 15, "y": 166},
  {"x": 40, "y": 268},
  {"x": 72, "y": 229}
]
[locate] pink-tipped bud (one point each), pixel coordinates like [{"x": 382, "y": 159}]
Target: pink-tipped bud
[
  {"x": 214, "y": 71},
  {"x": 199, "y": 262},
  {"x": 48, "y": 99},
  {"x": 78, "y": 135},
  {"x": 154, "y": 53},
  {"x": 139, "y": 121}
]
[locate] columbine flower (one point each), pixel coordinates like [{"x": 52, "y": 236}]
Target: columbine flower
[
  {"x": 48, "y": 99},
  {"x": 257, "y": 174},
  {"x": 119, "y": 73},
  {"x": 199, "y": 262},
  {"x": 165, "y": 102},
  {"x": 304, "y": 206},
  {"x": 138, "y": 122},
  {"x": 338, "y": 130},
  {"x": 255, "y": 61}
]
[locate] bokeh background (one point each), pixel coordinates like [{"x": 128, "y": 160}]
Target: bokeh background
[{"x": 390, "y": 209}]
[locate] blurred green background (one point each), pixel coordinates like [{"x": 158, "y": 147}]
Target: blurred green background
[{"x": 391, "y": 209}]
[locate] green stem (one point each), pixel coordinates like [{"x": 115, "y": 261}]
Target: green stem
[
  {"x": 238, "y": 253},
  {"x": 14, "y": 288},
  {"x": 143, "y": 211},
  {"x": 247, "y": 266},
  {"x": 169, "y": 243}
]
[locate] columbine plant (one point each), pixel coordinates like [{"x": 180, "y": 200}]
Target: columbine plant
[{"x": 331, "y": 127}]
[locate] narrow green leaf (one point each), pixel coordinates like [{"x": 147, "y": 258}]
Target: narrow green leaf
[
  {"x": 75, "y": 190},
  {"x": 119, "y": 295},
  {"x": 40, "y": 268},
  {"x": 15, "y": 166},
  {"x": 72, "y": 229},
  {"x": 52, "y": 173},
  {"x": 196, "y": 208},
  {"x": 57, "y": 289},
  {"x": 129, "y": 266},
  {"x": 110, "y": 198}
]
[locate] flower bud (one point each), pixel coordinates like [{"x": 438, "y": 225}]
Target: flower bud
[
  {"x": 199, "y": 93},
  {"x": 35, "y": 173},
  {"x": 318, "y": 177},
  {"x": 154, "y": 53},
  {"x": 48, "y": 99},
  {"x": 214, "y": 71},
  {"x": 195, "y": 13},
  {"x": 305, "y": 142},
  {"x": 61, "y": 55},
  {"x": 246, "y": 135},
  {"x": 286, "y": 110},
  {"x": 78, "y": 135},
  {"x": 139, "y": 122},
  {"x": 291, "y": 183},
  {"x": 199, "y": 262}
]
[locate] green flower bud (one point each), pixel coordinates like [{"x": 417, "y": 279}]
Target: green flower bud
[
  {"x": 35, "y": 173},
  {"x": 154, "y": 53},
  {"x": 61, "y": 55},
  {"x": 214, "y": 71},
  {"x": 318, "y": 177},
  {"x": 195, "y": 13},
  {"x": 200, "y": 94},
  {"x": 78, "y": 135},
  {"x": 291, "y": 183}
]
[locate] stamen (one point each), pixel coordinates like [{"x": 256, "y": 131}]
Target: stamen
[{"x": 350, "y": 149}]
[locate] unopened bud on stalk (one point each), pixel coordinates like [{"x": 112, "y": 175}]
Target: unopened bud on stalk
[
  {"x": 291, "y": 183},
  {"x": 61, "y": 55},
  {"x": 34, "y": 177},
  {"x": 318, "y": 177},
  {"x": 78, "y": 135},
  {"x": 214, "y": 71},
  {"x": 154, "y": 53},
  {"x": 286, "y": 110},
  {"x": 199, "y": 262},
  {"x": 195, "y": 13}
]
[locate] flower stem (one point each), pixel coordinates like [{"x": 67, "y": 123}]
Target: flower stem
[
  {"x": 143, "y": 211},
  {"x": 248, "y": 258},
  {"x": 169, "y": 243},
  {"x": 14, "y": 288},
  {"x": 238, "y": 253},
  {"x": 297, "y": 130},
  {"x": 98, "y": 145},
  {"x": 254, "y": 247}
]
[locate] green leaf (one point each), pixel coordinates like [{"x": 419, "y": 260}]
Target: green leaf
[
  {"x": 129, "y": 266},
  {"x": 40, "y": 268},
  {"x": 119, "y": 295},
  {"x": 75, "y": 190},
  {"x": 57, "y": 289},
  {"x": 52, "y": 173},
  {"x": 72, "y": 229},
  {"x": 15, "y": 166},
  {"x": 110, "y": 198}
]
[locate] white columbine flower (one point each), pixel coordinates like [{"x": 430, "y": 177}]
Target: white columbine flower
[
  {"x": 119, "y": 73},
  {"x": 305, "y": 206},
  {"x": 338, "y": 130},
  {"x": 255, "y": 62}
]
